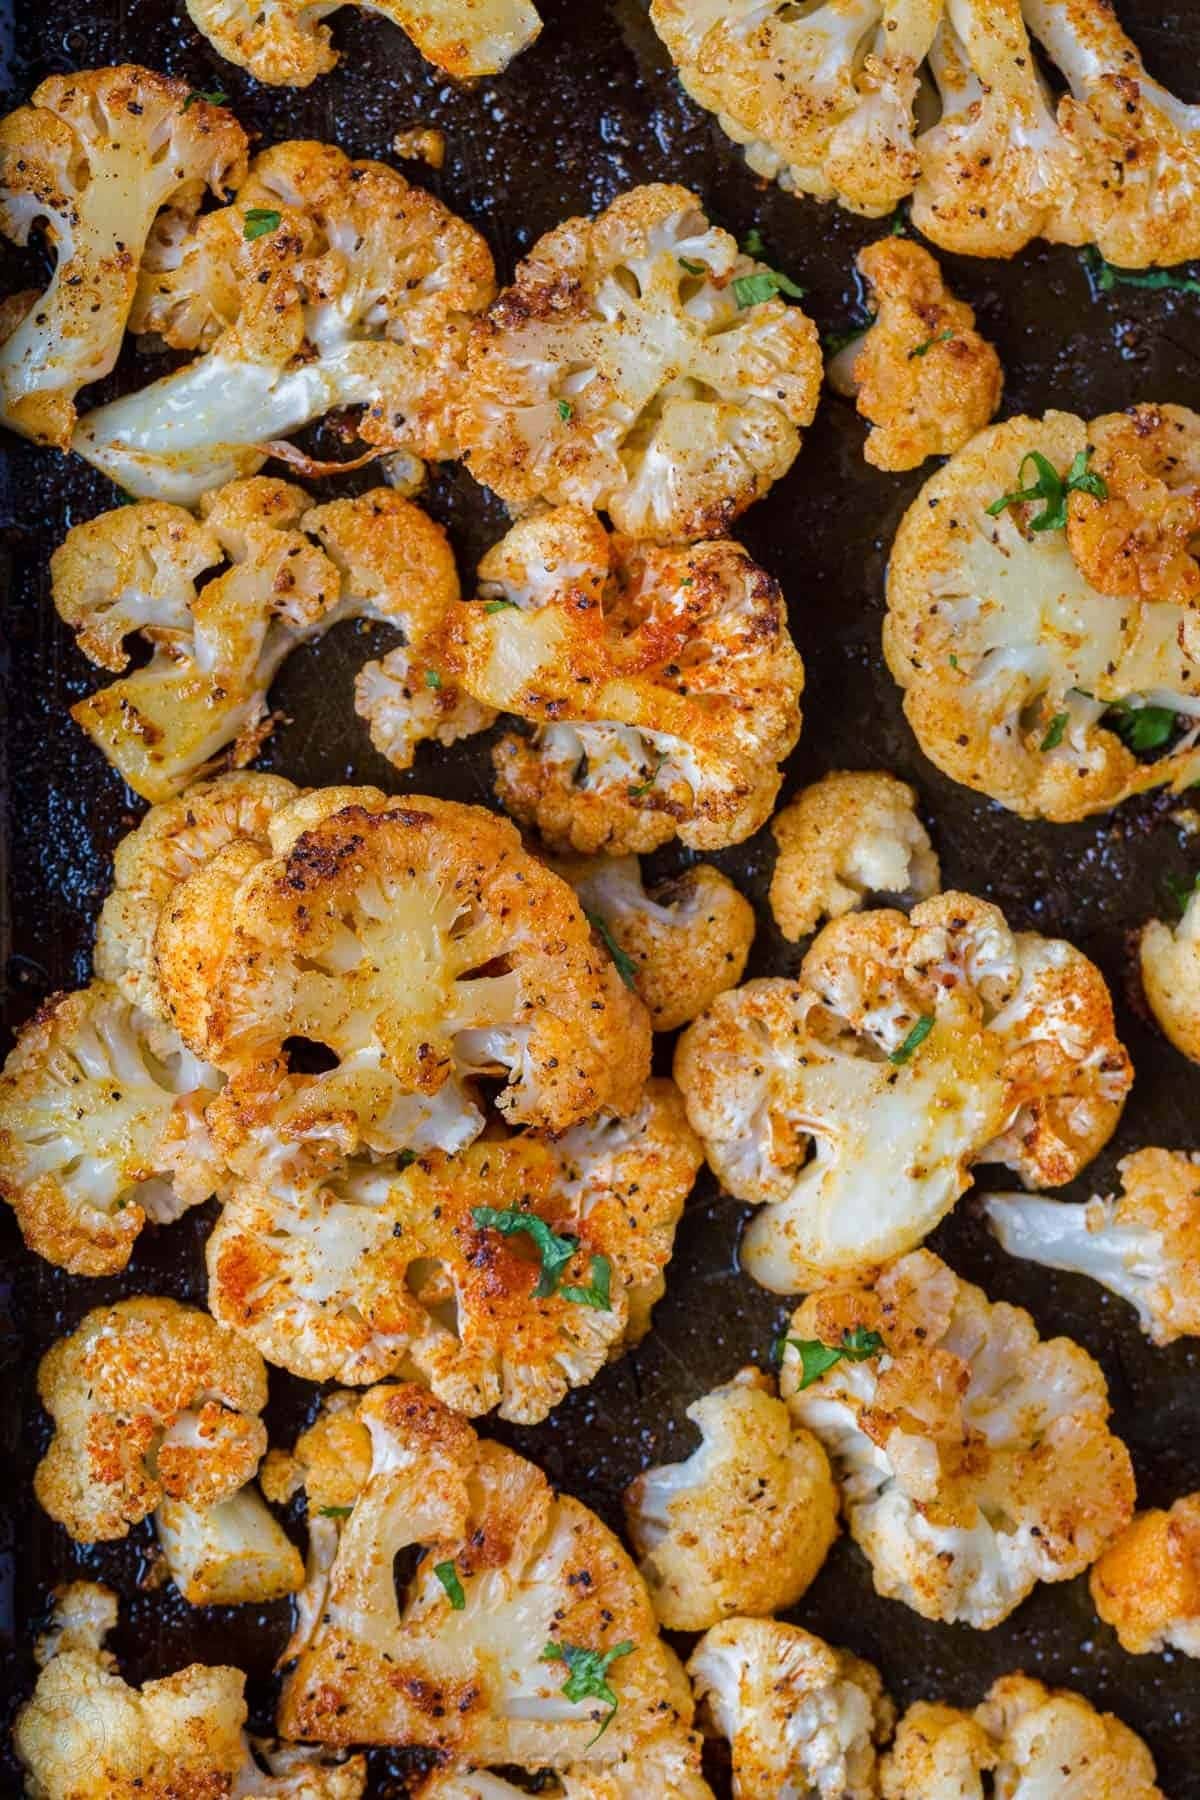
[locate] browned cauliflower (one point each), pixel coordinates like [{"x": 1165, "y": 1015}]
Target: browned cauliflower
[
  {"x": 803, "y": 1720},
  {"x": 326, "y": 284},
  {"x": 745, "y": 1523},
  {"x": 151, "y": 1400},
  {"x": 668, "y": 1767},
  {"x": 640, "y": 366},
  {"x": 923, "y": 377},
  {"x": 661, "y": 683},
  {"x": 974, "y": 1459},
  {"x": 101, "y": 1128},
  {"x": 1169, "y": 960},
  {"x": 1136, "y": 541},
  {"x": 851, "y": 1104},
  {"x": 851, "y": 834},
  {"x": 232, "y": 1554},
  {"x": 1147, "y": 1584},
  {"x": 90, "y": 162},
  {"x": 1022, "y": 679}
]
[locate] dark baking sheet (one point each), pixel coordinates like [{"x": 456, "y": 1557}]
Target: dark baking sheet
[{"x": 592, "y": 109}]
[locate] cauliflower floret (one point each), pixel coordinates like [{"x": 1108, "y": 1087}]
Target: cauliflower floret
[
  {"x": 974, "y": 1459},
  {"x": 347, "y": 287},
  {"x": 851, "y": 1103},
  {"x": 745, "y": 1523},
  {"x": 483, "y": 1654},
  {"x": 680, "y": 943},
  {"x": 640, "y": 366},
  {"x": 85, "y": 1735},
  {"x": 849, "y": 835},
  {"x": 101, "y": 1128},
  {"x": 803, "y": 1719},
  {"x": 661, "y": 683},
  {"x": 232, "y": 1554},
  {"x": 1011, "y": 662},
  {"x": 1137, "y": 540},
  {"x": 285, "y": 43},
  {"x": 1147, "y": 1584},
  {"x": 90, "y": 162},
  {"x": 923, "y": 377},
  {"x": 151, "y": 1400},
  {"x": 665, "y": 1770},
  {"x": 1169, "y": 960},
  {"x": 1144, "y": 1246}
]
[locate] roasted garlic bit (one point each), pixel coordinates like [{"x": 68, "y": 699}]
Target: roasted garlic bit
[
  {"x": 848, "y": 836},
  {"x": 1147, "y": 1584}
]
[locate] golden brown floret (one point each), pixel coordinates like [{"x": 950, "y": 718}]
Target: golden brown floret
[
  {"x": 1147, "y": 1584},
  {"x": 848, "y": 836},
  {"x": 1138, "y": 541},
  {"x": 1169, "y": 964},
  {"x": 234, "y": 1553}
]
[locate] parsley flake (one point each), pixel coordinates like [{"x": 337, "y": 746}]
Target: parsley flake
[
  {"x": 1055, "y": 733},
  {"x": 914, "y": 1040},
  {"x": 943, "y": 337},
  {"x": 693, "y": 268},
  {"x": 754, "y": 243},
  {"x": 1053, "y": 489},
  {"x": 598, "y": 1293},
  {"x": 1105, "y": 277},
  {"x": 899, "y": 227},
  {"x": 625, "y": 965},
  {"x": 565, "y": 410},
  {"x": 447, "y": 1574},
  {"x": 259, "y": 221},
  {"x": 1180, "y": 889},
  {"x": 1141, "y": 727},
  {"x": 432, "y": 679},
  {"x": 335, "y": 1512},
  {"x": 495, "y": 606},
  {"x": 752, "y": 290},
  {"x": 643, "y": 787},
  {"x": 857, "y": 1345},
  {"x": 406, "y": 1159},
  {"x": 210, "y": 96},
  {"x": 833, "y": 341},
  {"x": 587, "y": 1670},
  {"x": 555, "y": 1251}
]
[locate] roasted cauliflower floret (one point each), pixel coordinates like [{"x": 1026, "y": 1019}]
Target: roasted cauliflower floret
[
  {"x": 802, "y": 1718},
  {"x": 745, "y": 1523},
  {"x": 101, "y": 1128},
  {"x": 1147, "y": 1584},
  {"x": 661, "y": 684},
  {"x": 1020, "y": 678},
  {"x": 922, "y": 376},
  {"x": 1144, "y": 1246},
  {"x": 852, "y": 1103},
  {"x": 1137, "y": 540},
  {"x": 680, "y": 943},
  {"x": 974, "y": 1459},
  {"x": 669, "y": 1767},
  {"x": 327, "y": 284},
  {"x": 642, "y": 367},
  {"x": 90, "y": 162},
  {"x": 851, "y": 834},
  {"x": 232, "y": 1554},
  {"x": 1169, "y": 960},
  {"x": 151, "y": 1400}
]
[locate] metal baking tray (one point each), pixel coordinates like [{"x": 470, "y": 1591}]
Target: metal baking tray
[{"x": 593, "y": 108}]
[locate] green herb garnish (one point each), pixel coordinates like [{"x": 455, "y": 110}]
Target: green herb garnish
[
  {"x": 335, "y": 1512},
  {"x": 447, "y": 1574},
  {"x": 495, "y": 606},
  {"x": 943, "y": 337},
  {"x": 598, "y": 1293},
  {"x": 754, "y": 243},
  {"x": 914, "y": 1040},
  {"x": 555, "y": 1251},
  {"x": 833, "y": 341},
  {"x": 643, "y": 787},
  {"x": 587, "y": 1670},
  {"x": 565, "y": 410},
  {"x": 626, "y": 967},
  {"x": 260, "y": 220},
  {"x": 1106, "y": 277},
  {"x": 1180, "y": 890},
  {"x": 1141, "y": 727},
  {"x": 432, "y": 679},
  {"x": 899, "y": 226},
  {"x": 1054, "y": 736},
  {"x": 210, "y": 96},
  {"x": 693, "y": 268},
  {"x": 406, "y": 1159},
  {"x": 1052, "y": 488},
  {"x": 858, "y": 1345},
  {"x": 751, "y": 290}
]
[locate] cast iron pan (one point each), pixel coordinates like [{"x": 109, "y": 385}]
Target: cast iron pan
[{"x": 593, "y": 108}]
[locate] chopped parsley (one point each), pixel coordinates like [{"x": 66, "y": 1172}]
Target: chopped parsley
[
  {"x": 1053, "y": 489},
  {"x": 642, "y": 788},
  {"x": 258, "y": 221},
  {"x": 833, "y": 341},
  {"x": 693, "y": 268},
  {"x": 899, "y": 226},
  {"x": 210, "y": 96},
  {"x": 495, "y": 606},
  {"x": 857, "y": 1345},
  {"x": 626, "y": 967},
  {"x": 1105, "y": 277},
  {"x": 943, "y": 337},
  {"x": 1141, "y": 727},
  {"x": 952, "y": 660},
  {"x": 432, "y": 679},
  {"x": 565, "y": 410},
  {"x": 754, "y": 243},
  {"x": 598, "y": 1292},
  {"x": 406, "y": 1159},
  {"x": 586, "y": 1676},
  {"x": 1054, "y": 735},
  {"x": 1180, "y": 889},
  {"x": 752, "y": 290},
  {"x": 555, "y": 1251},
  {"x": 913, "y": 1041},
  {"x": 447, "y": 1574},
  {"x": 335, "y": 1512}
]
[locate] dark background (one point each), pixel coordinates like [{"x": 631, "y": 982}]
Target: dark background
[{"x": 593, "y": 108}]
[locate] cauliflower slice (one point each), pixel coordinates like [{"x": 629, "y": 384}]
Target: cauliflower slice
[
  {"x": 1147, "y": 1584},
  {"x": 286, "y": 44},
  {"x": 359, "y": 294},
  {"x": 851, "y": 1104},
  {"x": 923, "y": 377},
  {"x": 1011, "y": 662},
  {"x": 232, "y": 1554},
  {"x": 641, "y": 367},
  {"x": 974, "y": 1459},
  {"x": 661, "y": 683},
  {"x": 666, "y": 1769},
  {"x": 150, "y": 1400},
  {"x": 744, "y": 1525},
  {"x": 471, "y": 1657},
  {"x": 90, "y": 162},
  {"x": 851, "y": 834},
  {"x": 1169, "y": 961},
  {"x": 680, "y": 943},
  {"x": 804, "y": 1720},
  {"x": 86, "y": 1735},
  {"x": 1144, "y": 1246},
  {"x": 101, "y": 1128}
]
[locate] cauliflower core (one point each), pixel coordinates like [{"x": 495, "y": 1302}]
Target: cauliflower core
[
  {"x": 1169, "y": 960},
  {"x": 974, "y": 1460},
  {"x": 1144, "y": 1246},
  {"x": 150, "y": 1400},
  {"x": 1147, "y": 1584},
  {"x": 802, "y": 1718},
  {"x": 923, "y": 377},
  {"x": 642, "y": 367},
  {"x": 90, "y": 163},
  {"x": 661, "y": 684},
  {"x": 848, "y": 836},
  {"x": 852, "y": 1103},
  {"x": 745, "y": 1523},
  {"x": 359, "y": 294},
  {"x": 1021, "y": 679}
]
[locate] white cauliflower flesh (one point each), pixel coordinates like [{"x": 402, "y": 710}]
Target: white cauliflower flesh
[
  {"x": 232, "y": 1554},
  {"x": 661, "y": 684},
  {"x": 1169, "y": 962},
  {"x": 1022, "y": 679},
  {"x": 803, "y": 1719},
  {"x": 326, "y": 284},
  {"x": 524, "y": 1636},
  {"x": 417, "y": 945},
  {"x": 744, "y": 1525},
  {"x": 640, "y": 366},
  {"x": 974, "y": 1459},
  {"x": 1147, "y": 1584},
  {"x": 850, "y": 835},
  {"x": 101, "y": 1129},
  {"x": 151, "y": 1400},
  {"x": 1144, "y": 1245},
  {"x": 852, "y": 1103},
  {"x": 666, "y": 1768},
  {"x": 86, "y": 1735},
  {"x": 90, "y": 163}
]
